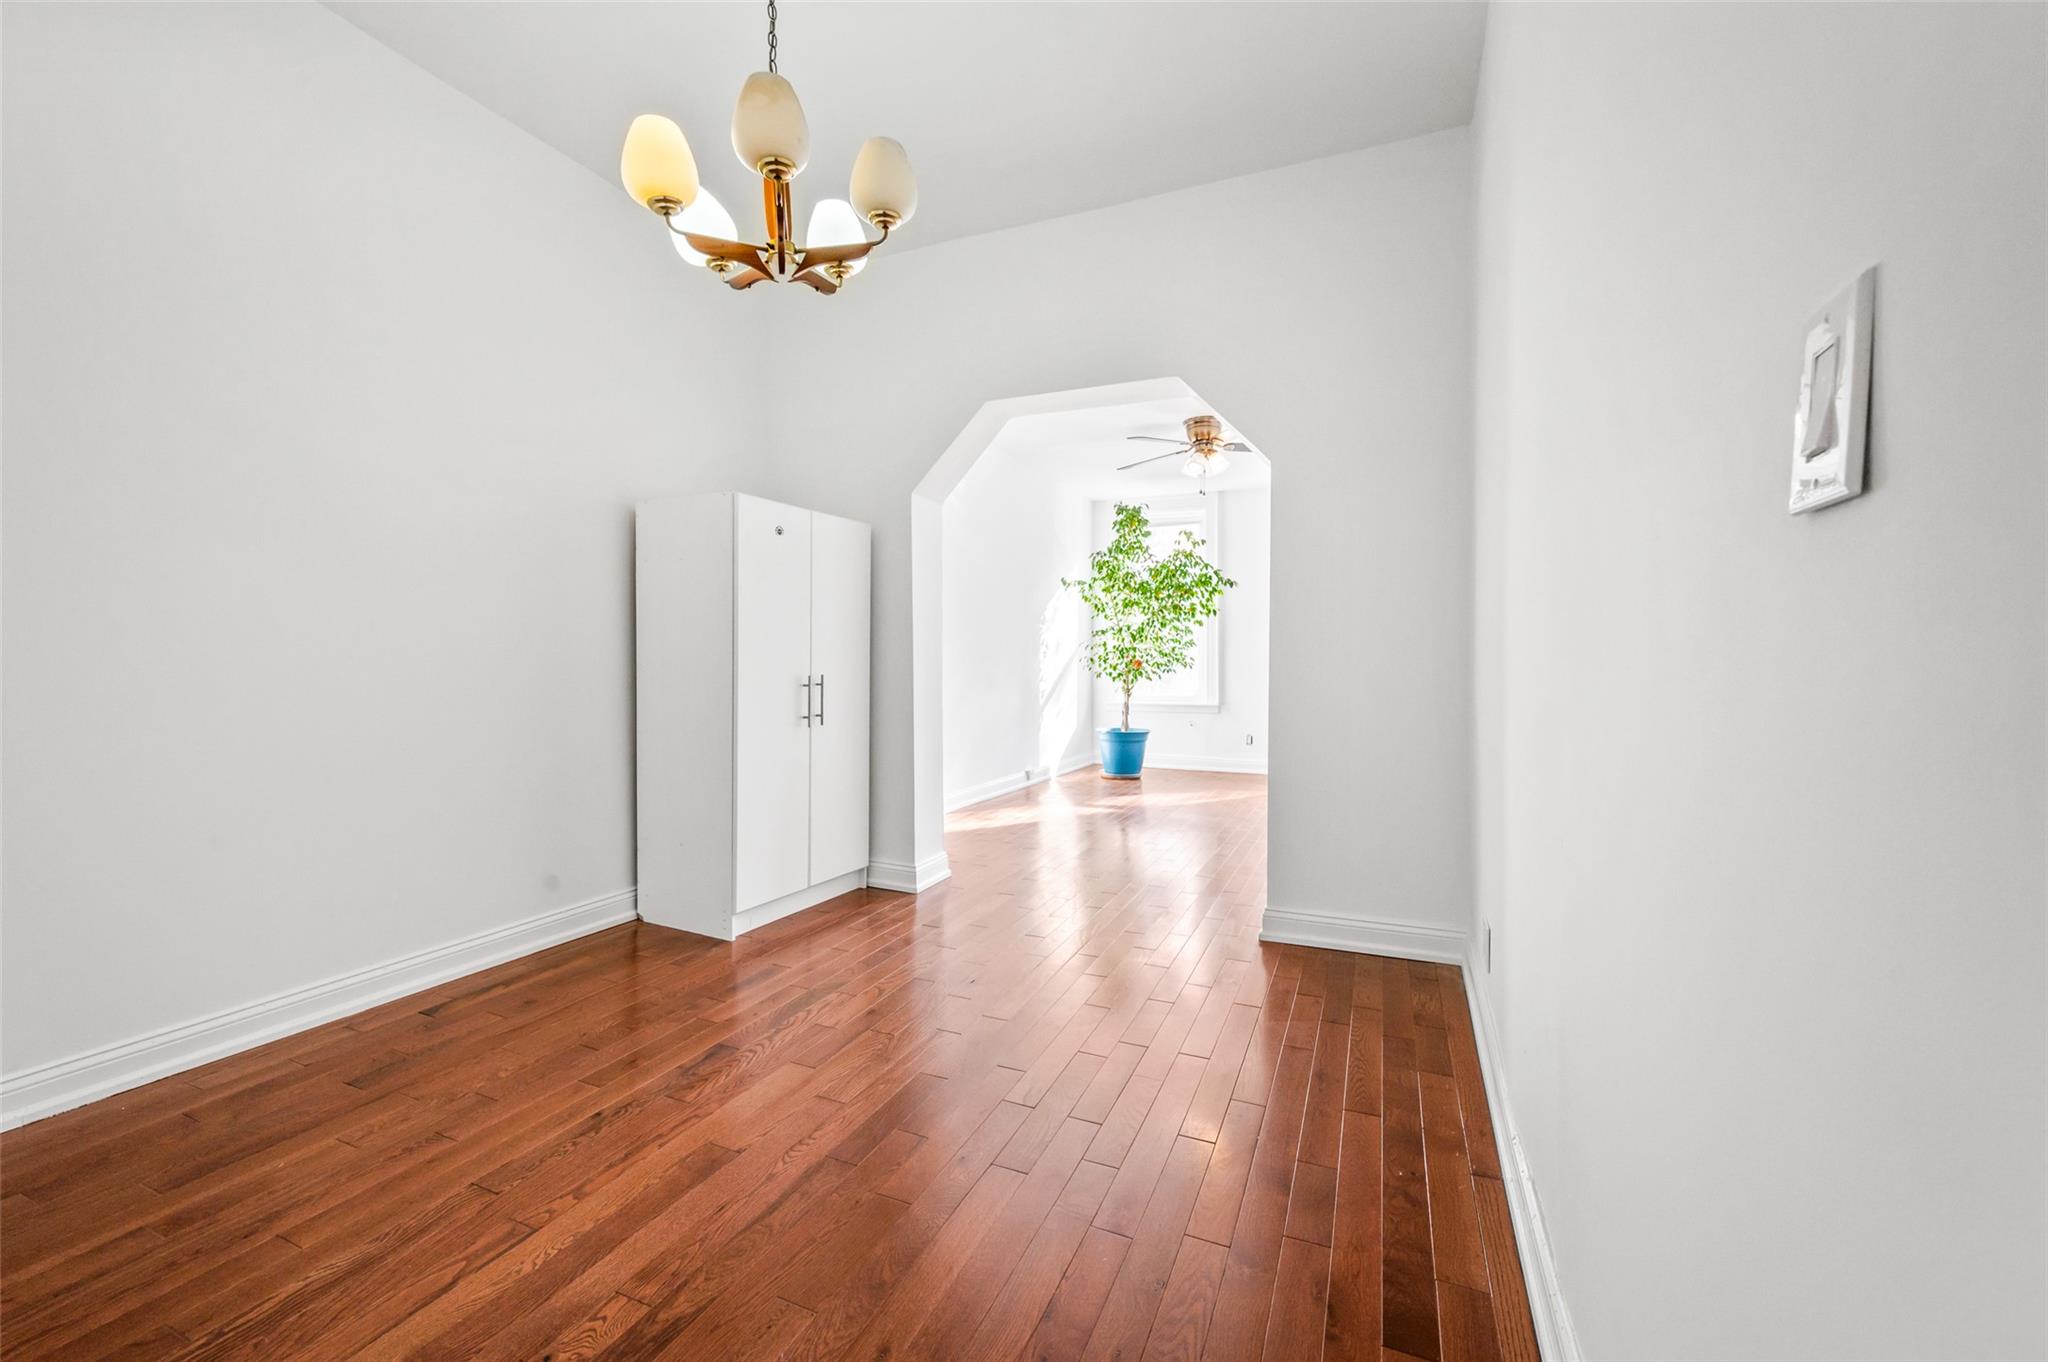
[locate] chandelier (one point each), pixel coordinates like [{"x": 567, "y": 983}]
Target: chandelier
[{"x": 773, "y": 141}]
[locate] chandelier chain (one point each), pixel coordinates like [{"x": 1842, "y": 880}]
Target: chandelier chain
[{"x": 771, "y": 36}]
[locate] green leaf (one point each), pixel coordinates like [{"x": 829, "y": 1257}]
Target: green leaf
[{"x": 1146, "y": 608}]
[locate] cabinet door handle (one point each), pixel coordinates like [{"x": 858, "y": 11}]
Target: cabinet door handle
[
  {"x": 807, "y": 702},
  {"x": 821, "y": 699}
]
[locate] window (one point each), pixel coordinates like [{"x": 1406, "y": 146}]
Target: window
[{"x": 1196, "y": 687}]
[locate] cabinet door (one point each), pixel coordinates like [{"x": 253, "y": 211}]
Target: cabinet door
[
  {"x": 839, "y": 655},
  {"x": 771, "y": 645}
]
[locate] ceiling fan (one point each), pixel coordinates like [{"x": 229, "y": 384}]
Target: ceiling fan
[{"x": 1204, "y": 445}]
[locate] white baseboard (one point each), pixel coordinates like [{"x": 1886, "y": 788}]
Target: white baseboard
[
  {"x": 1367, "y": 936},
  {"x": 1555, "y": 1337},
  {"x": 900, "y": 878},
  {"x": 993, "y": 789},
  {"x": 1242, "y": 766},
  {"x": 1002, "y": 785},
  {"x": 63, "y": 1084}
]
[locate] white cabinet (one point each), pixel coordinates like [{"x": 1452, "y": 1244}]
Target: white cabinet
[{"x": 751, "y": 647}]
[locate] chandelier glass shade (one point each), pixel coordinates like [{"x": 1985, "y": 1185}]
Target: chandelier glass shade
[
  {"x": 656, "y": 163},
  {"x": 705, "y": 217},
  {"x": 772, "y": 139}
]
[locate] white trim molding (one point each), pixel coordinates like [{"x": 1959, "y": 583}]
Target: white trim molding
[
  {"x": 899, "y": 878},
  {"x": 1237, "y": 766},
  {"x": 1556, "y": 1339},
  {"x": 1002, "y": 785},
  {"x": 1364, "y": 935},
  {"x": 47, "y": 1089},
  {"x": 992, "y": 789}
]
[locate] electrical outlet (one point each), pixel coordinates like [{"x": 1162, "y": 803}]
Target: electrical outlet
[
  {"x": 1489, "y": 948},
  {"x": 1247, "y": 740}
]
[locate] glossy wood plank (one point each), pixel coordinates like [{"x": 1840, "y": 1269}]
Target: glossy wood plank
[
  {"x": 1301, "y": 1297},
  {"x": 1066, "y": 1105},
  {"x": 1312, "y": 1203},
  {"x": 1453, "y": 1206},
  {"x": 1513, "y": 1328},
  {"x": 1408, "y": 1295},
  {"x": 1181, "y": 1325},
  {"x": 1362, "y": 1077},
  {"x": 1353, "y": 1328},
  {"x": 1007, "y": 1327},
  {"x": 1215, "y": 1214},
  {"x": 1467, "y": 1324},
  {"x": 1069, "y": 1318},
  {"x": 1133, "y": 1302},
  {"x": 1324, "y": 1117},
  {"x": 1248, "y": 1278}
]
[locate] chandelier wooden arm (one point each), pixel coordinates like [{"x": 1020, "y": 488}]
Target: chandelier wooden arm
[
  {"x": 752, "y": 261},
  {"x": 718, "y": 248},
  {"x": 835, "y": 255}
]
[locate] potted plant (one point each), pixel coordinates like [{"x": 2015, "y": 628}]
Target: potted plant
[{"x": 1146, "y": 608}]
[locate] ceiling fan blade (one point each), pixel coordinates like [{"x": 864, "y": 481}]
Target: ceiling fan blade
[
  {"x": 1160, "y": 439},
  {"x": 1171, "y": 453},
  {"x": 1238, "y": 447}
]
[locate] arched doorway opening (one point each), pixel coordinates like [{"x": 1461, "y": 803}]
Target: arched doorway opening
[{"x": 1067, "y": 449}]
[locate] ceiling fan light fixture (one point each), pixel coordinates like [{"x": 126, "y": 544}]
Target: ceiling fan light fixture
[{"x": 1204, "y": 447}]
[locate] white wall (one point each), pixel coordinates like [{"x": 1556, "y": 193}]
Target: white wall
[
  {"x": 1762, "y": 798},
  {"x": 1016, "y": 693},
  {"x": 327, "y": 395},
  {"x": 1212, "y": 738},
  {"x": 1354, "y": 383}
]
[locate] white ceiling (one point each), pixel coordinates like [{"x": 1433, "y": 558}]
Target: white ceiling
[
  {"x": 1011, "y": 112},
  {"x": 1083, "y": 452}
]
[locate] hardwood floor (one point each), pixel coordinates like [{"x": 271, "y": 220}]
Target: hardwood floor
[{"x": 1064, "y": 1106}]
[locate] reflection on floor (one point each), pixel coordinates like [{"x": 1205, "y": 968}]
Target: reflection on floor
[{"x": 1065, "y": 1105}]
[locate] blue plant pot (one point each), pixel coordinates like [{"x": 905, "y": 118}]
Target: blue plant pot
[{"x": 1123, "y": 752}]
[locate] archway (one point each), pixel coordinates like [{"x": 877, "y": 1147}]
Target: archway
[{"x": 1147, "y": 402}]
